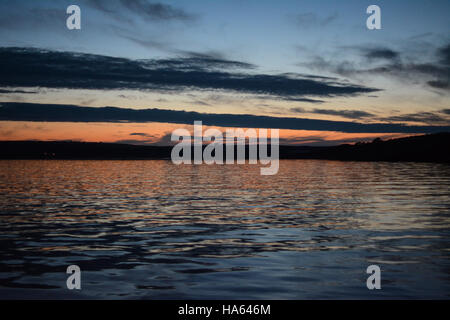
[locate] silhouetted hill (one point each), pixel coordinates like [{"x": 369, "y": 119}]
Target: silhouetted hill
[
  {"x": 432, "y": 147},
  {"x": 80, "y": 150}
]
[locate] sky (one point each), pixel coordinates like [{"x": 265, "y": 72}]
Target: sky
[{"x": 310, "y": 68}]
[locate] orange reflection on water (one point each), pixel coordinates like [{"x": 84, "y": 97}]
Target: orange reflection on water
[{"x": 155, "y": 226}]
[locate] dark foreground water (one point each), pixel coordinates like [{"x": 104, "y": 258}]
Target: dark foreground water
[{"x": 150, "y": 229}]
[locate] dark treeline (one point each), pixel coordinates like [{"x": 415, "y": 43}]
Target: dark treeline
[{"x": 432, "y": 147}]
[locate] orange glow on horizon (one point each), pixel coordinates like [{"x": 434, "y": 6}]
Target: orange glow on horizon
[{"x": 159, "y": 133}]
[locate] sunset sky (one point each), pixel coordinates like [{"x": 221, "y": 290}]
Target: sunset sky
[{"x": 263, "y": 60}]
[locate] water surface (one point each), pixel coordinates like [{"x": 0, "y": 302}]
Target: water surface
[{"x": 153, "y": 230}]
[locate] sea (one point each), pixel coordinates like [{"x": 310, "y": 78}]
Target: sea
[{"x": 150, "y": 229}]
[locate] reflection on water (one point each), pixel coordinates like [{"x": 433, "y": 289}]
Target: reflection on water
[{"x": 150, "y": 229}]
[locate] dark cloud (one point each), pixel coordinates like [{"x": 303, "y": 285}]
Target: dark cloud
[
  {"x": 201, "y": 103},
  {"x": 135, "y": 142},
  {"x": 301, "y": 140},
  {"x": 27, "y": 67},
  {"x": 435, "y": 74},
  {"x": 164, "y": 140},
  {"x": 444, "y": 54},
  {"x": 150, "y": 11},
  {"x": 298, "y": 110},
  {"x": 304, "y": 100},
  {"x": 372, "y": 52},
  {"x": 17, "y": 91},
  {"x": 156, "y": 10},
  {"x": 310, "y": 76},
  {"x": 310, "y": 19},
  {"x": 142, "y": 134},
  {"x": 380, "y": 53},
  {"x": 200, "y": 62},
  {"x": 439, "y": 84},
  {"x": 350, "y": 114},
  {"x": 209, "y": 55},
  {"x": 444, "y": 59},
  {"x": 70, "y": 113},
  {"x": 432, "y": 118},
  {"x": 146, "y": 43}
]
